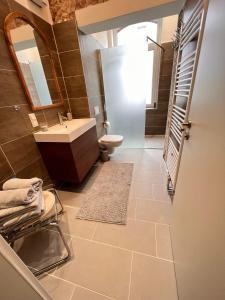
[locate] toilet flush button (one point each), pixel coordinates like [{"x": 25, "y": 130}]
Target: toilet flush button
[{"x": 96, "y": 110}]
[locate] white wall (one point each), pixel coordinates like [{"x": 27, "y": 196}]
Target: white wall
[
  {"x": 44, "y": 13},
  {"x": 199, "y": 204}
]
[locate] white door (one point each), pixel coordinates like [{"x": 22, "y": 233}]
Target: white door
[{"x": 198, "y": 231}]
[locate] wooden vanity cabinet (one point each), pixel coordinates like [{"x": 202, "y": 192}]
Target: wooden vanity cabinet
[{"x": 71, "y": 161}]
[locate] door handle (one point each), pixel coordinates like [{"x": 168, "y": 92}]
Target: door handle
[{"x": 184, "y": 127}]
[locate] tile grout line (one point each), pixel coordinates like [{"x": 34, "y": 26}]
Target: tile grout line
[
  {"x": 21, "y": 137},
  {"x": 66, "y": 51},
  {"x": 14, "y": 173},
  {"x": 117, "y": 247},
  {"x": 72, "y": 294},
  {"x": 131, "y": 268},
  {"x": 156, "y": 245},
  {"x": 61, "y": 70},
  {"x": 80, "y": 286},
  {"x": 93, "y": 234}
]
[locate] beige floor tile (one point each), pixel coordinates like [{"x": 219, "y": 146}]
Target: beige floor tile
[
  {"x": 70, "y": 198},
  {"x": 160, "y": 193},
  {"x": 154, "y": 211},
  {"x": 131, "y": 208},
  {"x": 136, "y": 235},
  {"x": 75, "y": 227},
  {"x": 83, "y": 294},
  {"x": 141, "y": 189},
  {"x": 152, "y": 279},
  {"x": 154, "y": 141},
  {"x": 164, "y": 249},
  {"x": 57, "y": 288},
  {"x": 98, "y": 267}
]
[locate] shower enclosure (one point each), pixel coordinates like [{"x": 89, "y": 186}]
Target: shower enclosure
[{"x": 127, "y": 84}]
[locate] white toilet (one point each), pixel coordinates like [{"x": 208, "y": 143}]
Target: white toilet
[{"x": 110, "y": 142}]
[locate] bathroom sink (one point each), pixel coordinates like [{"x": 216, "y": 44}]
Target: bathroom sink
[{"x": 66, "y": 133}]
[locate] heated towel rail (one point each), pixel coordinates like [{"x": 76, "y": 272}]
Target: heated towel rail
[{"x": 178, "y": 124}]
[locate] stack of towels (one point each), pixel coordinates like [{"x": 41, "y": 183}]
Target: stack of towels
[{"x": 21, "y": 194}]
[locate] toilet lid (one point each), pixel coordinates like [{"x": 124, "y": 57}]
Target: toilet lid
[{"x": 112, "y": 138}]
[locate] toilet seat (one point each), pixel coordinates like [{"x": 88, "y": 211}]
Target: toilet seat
[{"x": 111, "y": 140}]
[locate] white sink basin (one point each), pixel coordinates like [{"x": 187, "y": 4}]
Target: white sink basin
[{"x": 66, "y": 133}]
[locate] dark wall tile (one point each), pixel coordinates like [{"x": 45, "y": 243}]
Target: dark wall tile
[
  {"x": 46, "y": 63},
  {"x": 21, "y": 152},
  {"x": 155, "y": 130},
  {"x": 15, "y": 6},
  {"x": 5, "y": 170},
  {"x": 165, "y": 82},
  {"x": 71, "y": 63},
  {"x": 76, "y": 87},
  {"x": 156, "y": 118},
  {"x": 12, "y": 124},
  {"x": 66, "y": 36},
  {"x": 53, "y": 90},
  {"x": 167, "y": 67},
  {"x": 6, "y": 60},
  {"x": 4, "y": 10},
  {"x": 47, "y": 66},
  {"x": 62, "y": 87},
  {"x": 79, "y": 108},
  {"x": 35, "y": 169},
  {"x": 57, "y": 64},
  {"x": 11, "y": 91},
  {"x": 52, "y": 116}
]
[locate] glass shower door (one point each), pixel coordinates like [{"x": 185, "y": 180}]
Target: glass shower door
[{"x": 126, "y": 85}]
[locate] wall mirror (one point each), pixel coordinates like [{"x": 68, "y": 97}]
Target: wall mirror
[{"x": 34, "y": 61}]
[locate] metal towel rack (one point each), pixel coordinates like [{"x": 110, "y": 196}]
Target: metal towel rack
[{"x": 178, "y": 124}]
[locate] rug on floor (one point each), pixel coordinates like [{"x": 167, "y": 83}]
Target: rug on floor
[{"x": 107, "y": 198}]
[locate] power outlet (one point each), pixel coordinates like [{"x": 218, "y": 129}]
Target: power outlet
[{"x": 33, "y": 120}]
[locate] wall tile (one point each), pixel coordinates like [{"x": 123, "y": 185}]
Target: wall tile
[
  {"x": 71, "y": 63},
  {"x": 79, "y": 108},
  {"x": 35, "y": 169},
  {"x": 4, "y": 10},
  {"x": 62, "y": 87},
  {"x": 5, "y": 170},
  {"x": 21, "y": 152},
  {"x": 76, "y": 87},
  {"x": 52, "y": 116},
  {"x": 11, "y": 92},
  {"x": 6, "y": 60},
  {"x": 68, "y": 41},
  {"x": 46, "y": 63},
  {"x": 53, "y": 90},
  {"x": 156, "y": 118},
  {"x": 12, "y": 125}
]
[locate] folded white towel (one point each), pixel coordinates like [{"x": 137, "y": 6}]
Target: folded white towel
[
  {"x": 17, "y": 197},
  {"x": 18, "y": 183}
]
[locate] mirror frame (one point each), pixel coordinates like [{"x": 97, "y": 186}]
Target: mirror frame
[{"x": 7, "y": 22}]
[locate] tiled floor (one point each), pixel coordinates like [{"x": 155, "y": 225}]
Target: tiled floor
[{"x": 120, "y": 262}]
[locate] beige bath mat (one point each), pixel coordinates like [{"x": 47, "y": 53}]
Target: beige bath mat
[{"x": 107, "y": 198}]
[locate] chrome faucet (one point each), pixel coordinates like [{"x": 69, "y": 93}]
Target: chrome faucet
[{"x": 61, "y": 118}]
